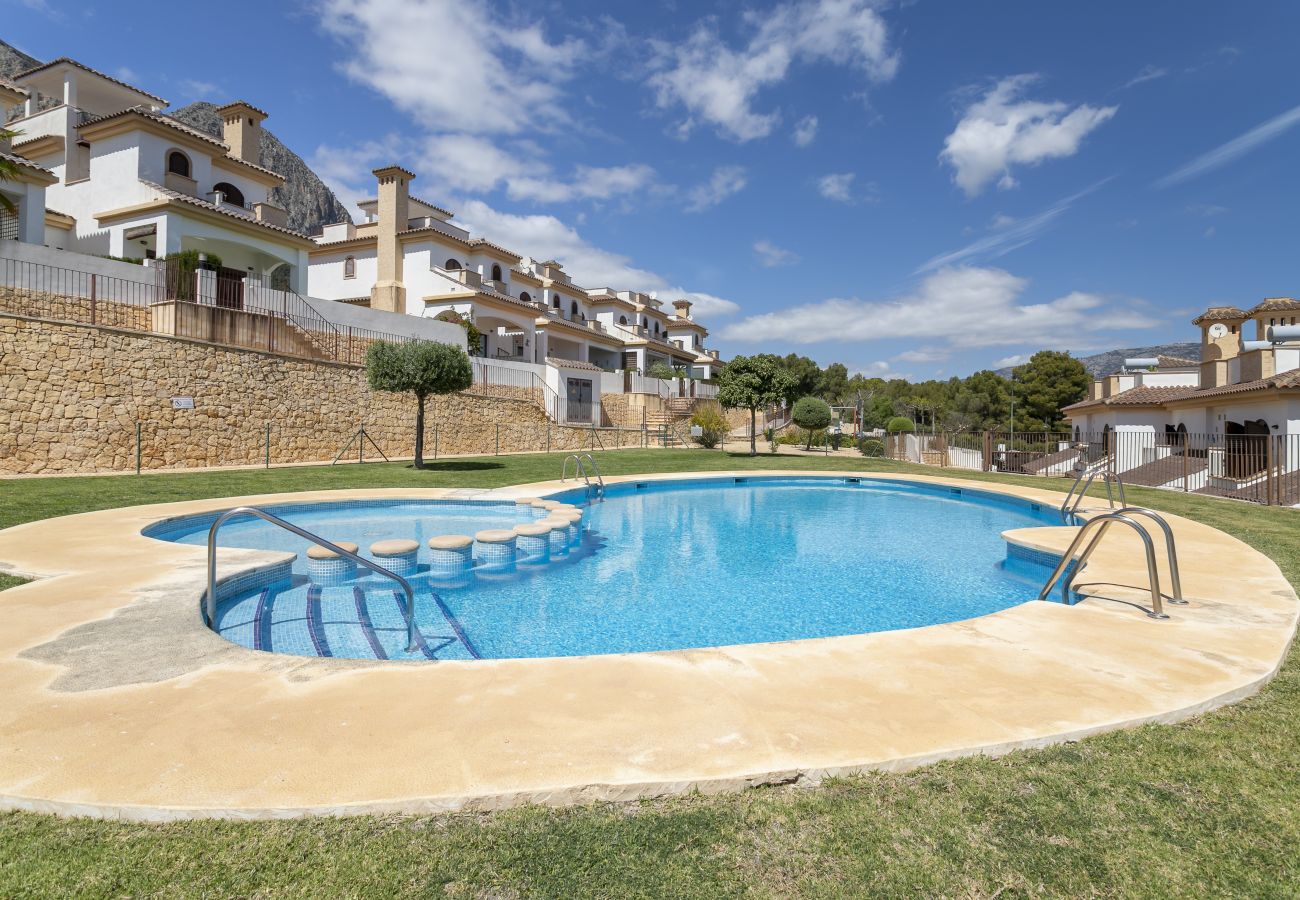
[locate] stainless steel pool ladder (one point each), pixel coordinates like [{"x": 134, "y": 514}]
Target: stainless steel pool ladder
[
  {"x": 1102, "y": 524},
  {"x": 211, "y": 599},
  {"x": 580, "y": 468},
  {"x": 1083, "y": 481}
]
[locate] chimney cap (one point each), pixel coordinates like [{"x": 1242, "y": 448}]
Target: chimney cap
[
  {"x": 682, "y": 301},
  {"x": 393, "y": 172},
  {"x": 239, "y": 108}
]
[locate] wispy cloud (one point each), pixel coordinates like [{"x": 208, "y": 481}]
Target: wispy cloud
[
  {"x": 1009, "y": 234},
  {"x": 770, "y": 255},
  {"x": 1233, "y": 149},
  {"x": 725, "y": 181},
  {"x": 837, "y": 187},
  {"x": 1146, "y": 73},
  {"x": 805, "y": 131}
]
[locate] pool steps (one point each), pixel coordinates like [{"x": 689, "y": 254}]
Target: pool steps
[{"x": 550, "y": 531}]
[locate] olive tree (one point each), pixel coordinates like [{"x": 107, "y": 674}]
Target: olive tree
[
  {"x": 748, "y": 382},
  {"x": 420, "y": 368},
  {"x": 811, "y": 414}
]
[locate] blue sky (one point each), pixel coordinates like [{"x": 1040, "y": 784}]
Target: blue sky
[{"x": 918, "y": 188}]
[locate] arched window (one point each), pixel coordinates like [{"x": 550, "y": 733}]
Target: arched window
[
  {"x": 573, "y": 309},
  {"x": 525, "y": 296},
  {"x": 622, "y": 320},
  {"x": 555, "y": 301},
  {"x": 232, "y": 194},
  {"x": 496, "y": 273},
  {"x": 178, "y": 163},
  {"x": 350, "y": 267},
  {"x": 451, "y": 265}
]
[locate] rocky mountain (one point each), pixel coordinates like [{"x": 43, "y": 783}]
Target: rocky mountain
[
  {"x": 1110, "y": 362},
  {"x": 13, "y": 61},
  {"x": 309, "y": 202}
]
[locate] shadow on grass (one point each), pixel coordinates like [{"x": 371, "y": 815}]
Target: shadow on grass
[{"x": 458, "y": 465}]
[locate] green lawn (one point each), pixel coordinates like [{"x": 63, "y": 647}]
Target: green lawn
[{"x": 1210, "y": 807}]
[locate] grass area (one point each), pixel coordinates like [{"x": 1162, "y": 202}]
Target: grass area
[{"x": 1210, "y": 807}]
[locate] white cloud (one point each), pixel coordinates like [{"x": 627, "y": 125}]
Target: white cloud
[
  {"x": 881, "y": 370},
  {"x": 199, "y": 90},
  {"x": 719, "y": 85},
  {"x": 1147, "y": 73},
  {"x": 490, "y": 74},
  {"x": 1237, "y": 147},
  {"x": 969, "y": 307},
  {"x": 805, "y": 131},
  {"x": 725, "y": 181},
  {"x": 924, "y": 355},
  {"x": 588, "y": 183},
  {"x": 1009, "y": 234},
  {"x": 1015, "y": 359},
  {"x": 1001, "y": 130},
  {"x": 770, "y": 255},
  {"x": 837, "y": 187},
  {"x": 545, "y": 236},
  {"x": 122, "y": 73}
]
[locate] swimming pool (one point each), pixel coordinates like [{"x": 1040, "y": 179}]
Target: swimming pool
[{"x": 661, "y": 565}]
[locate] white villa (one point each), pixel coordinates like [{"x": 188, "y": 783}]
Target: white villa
[
  {"x": 1216, "y": 415},
  {"x": 129, "y": 181},
  {"x": 408, "y": 256}
]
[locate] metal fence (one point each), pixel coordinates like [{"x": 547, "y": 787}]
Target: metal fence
[
  {"x": 169, "y": 444},
  {"x": 1258, "y": 468},
  {"x": 165, "y": 299}
]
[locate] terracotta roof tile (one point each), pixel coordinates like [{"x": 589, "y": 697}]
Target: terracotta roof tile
[
  {"x": 571, "y": 364},
  {"x": 1216, "y": 313},
  {"x": 63, "y": 59},
  {"x": 1275, "y": 304},
  {"x": 25, "y": 163},
  {"x": 204, "y": 204}
]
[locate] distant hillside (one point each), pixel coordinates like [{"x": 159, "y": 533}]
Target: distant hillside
[
  {"x": 309, "y": 202},
  {"x": 1110, "y": 362},
  {"x": 13, "y": 61}
]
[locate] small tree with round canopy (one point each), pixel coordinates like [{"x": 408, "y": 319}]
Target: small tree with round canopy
[
  {"x": 811, "y": 414},
  {"x": 420, "y": 368},
  {"x": 748, "y": 382}
]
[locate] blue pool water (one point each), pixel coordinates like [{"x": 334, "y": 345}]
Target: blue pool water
[{"x": 662, "y": 565}]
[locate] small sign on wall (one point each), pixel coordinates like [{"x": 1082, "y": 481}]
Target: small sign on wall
[{"x": 182, "y": 402}]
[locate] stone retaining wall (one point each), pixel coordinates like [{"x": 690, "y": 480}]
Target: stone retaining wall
[{"x": 71, "y": 396}]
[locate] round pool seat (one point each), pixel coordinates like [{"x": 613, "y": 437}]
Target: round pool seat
[
  {"x": 324, "y": 566},
  {"x": 451, "y": 554},
  {"x": 560, "y": 527},
  {"x": 398, "y": 556},
  {"x": 534, "y": 541},
  {"x": 316, "y": 551},
  {"x": 495, "y": 548}
]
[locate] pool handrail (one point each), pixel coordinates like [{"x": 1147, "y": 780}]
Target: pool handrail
[
  {"x": 1070, "y": 505},
  {"x": 580, "y": 468},
  {"x": 210, "y": 604},
  {"x": 1104, "y": 522}
]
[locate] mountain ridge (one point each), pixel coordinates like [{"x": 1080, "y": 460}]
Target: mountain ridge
[{"x": 1109, "y": 362}]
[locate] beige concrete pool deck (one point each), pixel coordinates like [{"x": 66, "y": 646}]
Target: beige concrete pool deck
[{"x": 120, "y": 702}]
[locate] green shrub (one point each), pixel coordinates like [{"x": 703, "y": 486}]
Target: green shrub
[
  {"x": 900, "y": 424},
  {"x": 873, "y": 447},
  {"x": 811, "y": 414},
  {"x": 660, "y": 370},
  {"x": 713, "y": 425}
]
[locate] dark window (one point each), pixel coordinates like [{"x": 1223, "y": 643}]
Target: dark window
[
  {"x": 622, "y": 320},
  {"x": 178, "y": 163},
  {"x": 350, "y": 267},
  {"x": 496, "y": 273},
  {"x": 573, "y": 309},
  {"x": 555, "y": 301},
  {"x": 526, "y": 297},
  {"x": 232, "y": 194},
  {"x": 451, "y": 265}
]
